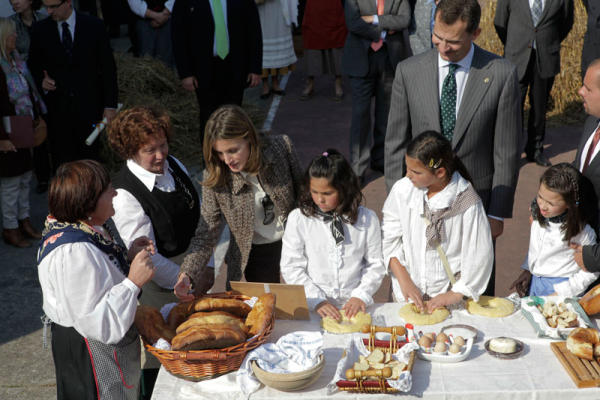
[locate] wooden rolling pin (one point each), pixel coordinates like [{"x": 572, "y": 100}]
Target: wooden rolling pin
[
  {"x": 352, "y": 374},
  {"x": 400, "y": 330}
]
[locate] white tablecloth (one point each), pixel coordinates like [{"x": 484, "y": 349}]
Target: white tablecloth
[{"x": 536, "y": 374}]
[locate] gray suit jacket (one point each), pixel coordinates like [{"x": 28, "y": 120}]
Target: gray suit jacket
[
  {"x": 591, "y": 40},
  {"x": 516, "y": 31},
  {"x": 487, "y": 136},
  {"x": 355, "y": 61},
  {"x": 420, "y": 27}
]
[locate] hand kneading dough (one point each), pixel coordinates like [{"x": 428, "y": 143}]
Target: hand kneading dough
[
  {"x": 412, "y": 315},
  {"x": 346, "y": 325},
  {"x": 488, "y": 306}
]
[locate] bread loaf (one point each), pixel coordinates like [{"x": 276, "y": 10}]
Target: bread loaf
[
  {"x": 581, "y": 342},
  {"x": 232, "y": 306},
  {"x": 179, "y": 313},
  {"x": 208, "y": 318},
  {"x": 217, "y": 336},
  {"x": 151, "y": 324},
  {"x": 260, "y": 316},
  {"x": 590, "y": 302}
]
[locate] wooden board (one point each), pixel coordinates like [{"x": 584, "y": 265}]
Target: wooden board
[
  {"x": 290, "y": 300},
  {"x": 584, "y": 373}
]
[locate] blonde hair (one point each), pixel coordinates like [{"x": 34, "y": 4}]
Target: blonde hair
[
  {"x": 7, "y": 27},
  {"x": 227, "y": 123}
]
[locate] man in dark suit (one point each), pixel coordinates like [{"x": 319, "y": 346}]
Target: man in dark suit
[
  {"x": 71, "y": 60},
  {"x": 591, "y": 40},
  {"x": 587, "y": 160},
  {"x": 374, "y": 46},
  {"x": 218, "y": 50},
  {"x": 531, "y": 31},
  {"x": 482, "y": 88}
]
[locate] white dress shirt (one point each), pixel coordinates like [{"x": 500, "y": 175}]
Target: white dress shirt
[
  {"x": 132, "y": 222},
  {"x": 71, "y": 22},
  {"x": 468, "y": 242},
  {"x": 263, "y": 234},
  {"x": 84, "y": 289},
  {"x": 585, "y": 149},
  {"x": 550, "y": 256},
  {"x": 461, "y": 74},
  {"x": 310, "y": 257},
  {"x": 139, "y": 7}
]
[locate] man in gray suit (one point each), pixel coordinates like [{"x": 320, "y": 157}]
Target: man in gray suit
[
  {"x": 591, "y": 40},
  {"x": 374, "y": 46},
  {"x": 486, "y": 129},
  {"x": 531, "y": 31}
]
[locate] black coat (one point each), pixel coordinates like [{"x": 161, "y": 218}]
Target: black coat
[
  {"x": 591, "y": 40},
  {"x": 193, "y": 32},
  {"x": 89, "y": 78}
]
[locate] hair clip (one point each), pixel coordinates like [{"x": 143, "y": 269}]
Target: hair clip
[
  {"x": 431, "y": 162},
  {"x": 435, "y": 164},
  {"x": 325, "y": 154}
]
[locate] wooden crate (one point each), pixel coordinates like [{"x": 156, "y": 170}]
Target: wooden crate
[{"x": 584, "y": 373}]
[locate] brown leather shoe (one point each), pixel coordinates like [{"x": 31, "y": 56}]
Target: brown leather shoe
[
  {"x": 14, "y": 237},
  {"x": 28, "y": 230}
]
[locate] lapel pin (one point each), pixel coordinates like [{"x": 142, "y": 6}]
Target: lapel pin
[{"x": 486, "y": 80}]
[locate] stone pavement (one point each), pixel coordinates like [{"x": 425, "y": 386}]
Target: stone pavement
[{"x": 27, "y": 372}]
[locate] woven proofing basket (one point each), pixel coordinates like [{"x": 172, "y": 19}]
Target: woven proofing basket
[{"x": 197, "y": 365}]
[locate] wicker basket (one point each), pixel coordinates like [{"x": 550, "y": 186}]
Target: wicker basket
[
  {"x": 198, "y": 365},
  {"x": 380, "y": 385}
]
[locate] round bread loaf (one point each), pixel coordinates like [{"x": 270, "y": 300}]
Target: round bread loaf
[
  {"x": 590, "y": 302},
  {"x": 215, "y": 336},
  {"x": 581, "y": 342},
  {"x": 151, "y": 324},
  {"x": 209, "y": 318},
  {"x": 488, "y": 306},
  {"x": 412, "y": 315},
  {"x": 345, "y": 324}
]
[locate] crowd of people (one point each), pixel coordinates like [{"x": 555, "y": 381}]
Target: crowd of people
[{"x": 447, "y": 134}]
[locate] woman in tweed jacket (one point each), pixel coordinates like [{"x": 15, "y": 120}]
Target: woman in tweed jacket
[{"x": 251, "y": 182}]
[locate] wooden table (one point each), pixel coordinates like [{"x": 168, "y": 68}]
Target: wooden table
[{"x": 536, "y": 374}]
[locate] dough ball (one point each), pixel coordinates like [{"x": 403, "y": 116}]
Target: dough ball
[
  {"x": 442, "y": 337},
  {"x": 454, "y": 348},
  {"x": 425, "y": 341},
  {"x": 440, "y": 347},
  {"x": 430, "y": 335},
  {"x": 459, "y": 340}
]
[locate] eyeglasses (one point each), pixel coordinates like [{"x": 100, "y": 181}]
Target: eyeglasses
[
  {"x": 54, "y": 6},
  {"x": 269, "y": 209}
]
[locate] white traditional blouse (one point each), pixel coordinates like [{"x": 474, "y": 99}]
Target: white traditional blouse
[
  {"x": 467, "y": 242},
  {"x": 84, "y": 289},
  {"x": 310, "y": 257},
  {"x": 132, "y": 222},
  {"x": 550, "y": 256}
]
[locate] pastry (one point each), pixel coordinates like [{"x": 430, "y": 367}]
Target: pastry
[
  {"x": 232, "y": 306},
  {"x": 215, "y": 336},
  {"x": 459, "y": 340},
  {"x": 425, "y": 341},
  {"x": 454, "y": 348},
  {"x": 582, "y": 341},
  {"x": 179, "y": 313},
  {"x": 503, "y": 345},
  {"x": 412, "y": 315},
  {"x": 345, "y": 324},
  {"x": 261, "y": 314},
  {"x": 590, "y": 302},
  {"x": 207, "y": 318},
  {"x": 440, "y": 347},
  {"x": 442, "y": 337},
  {"x": 487, "y": 306},
  {"x": 151, "y": 324}
]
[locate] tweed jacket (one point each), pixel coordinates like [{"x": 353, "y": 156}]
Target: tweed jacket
[{"x": 233, "y": 203}]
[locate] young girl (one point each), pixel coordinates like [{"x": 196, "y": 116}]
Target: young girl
[
  {"x": 435, "y": 208},
  {"x": 331, "y": 244},
  {"x": 559, "y": 218}
]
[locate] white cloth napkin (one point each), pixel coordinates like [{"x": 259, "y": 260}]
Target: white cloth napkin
[
  {"x": 357, "y": 347},
  {"x": 294, "y": 352}
]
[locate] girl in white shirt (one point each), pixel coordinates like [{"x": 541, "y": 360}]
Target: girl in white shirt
[
  {"x": 435, "y": 206},
  {"x": 331, "y": 244},
  {"x": 559, "y": 218}
]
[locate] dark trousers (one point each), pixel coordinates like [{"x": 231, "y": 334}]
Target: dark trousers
[
  {"x": 539, "y": 92},
  {"x": 263, "y": 263},
  {"x": 41, "y": 162},
  {"x": 377, "y": 83},
  {"x": 74, "y": 371},
  {"x": 222, "y": 89}
]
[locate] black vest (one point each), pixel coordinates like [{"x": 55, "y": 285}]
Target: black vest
[{"x": 174, "y": 215}]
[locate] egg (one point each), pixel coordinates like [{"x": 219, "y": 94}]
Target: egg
[
  {"x": 442, "y": 337},
  {"x": 440, "y": 347},
  {"x": 425, "y": 341},
  {"x": 430, "y": 335},
  {"x": 454, "y": 348},
  {"x": 459, "y": 340}
]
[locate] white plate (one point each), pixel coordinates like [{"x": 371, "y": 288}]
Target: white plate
[{"x": 447, "y": 358}]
